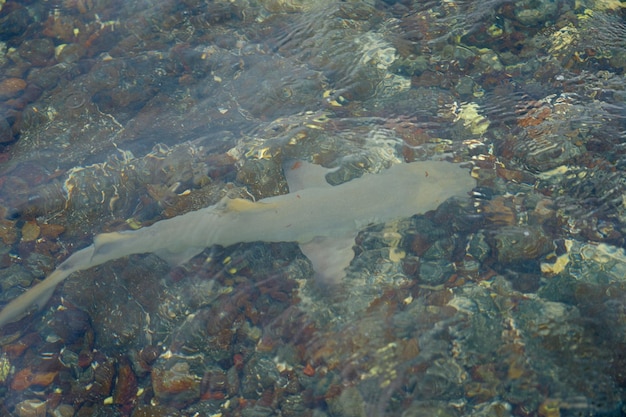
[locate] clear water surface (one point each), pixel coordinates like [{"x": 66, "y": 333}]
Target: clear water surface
[{"x": 510, "y": 301}]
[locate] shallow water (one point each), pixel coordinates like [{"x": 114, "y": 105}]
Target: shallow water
[{"x": 508, "y": 302}]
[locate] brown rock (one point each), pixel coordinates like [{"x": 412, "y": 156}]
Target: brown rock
[
  {"x": 11, "y": 87},
  {"x": 175, "y": 385},
  {"x": 31, "y": 408},
  {"x": 27, "y": 378},
  {"x": 38, "y": 52},
  {"x": 30, "y": 231},
  {"x": 103, "y": 379},
  {"x": 125, "y": 391},
  {"x": 8, "y": 234},
  {"x": 51, "y": 231}
]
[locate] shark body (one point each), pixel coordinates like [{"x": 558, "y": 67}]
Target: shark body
[{"x": 323, "y": 219}]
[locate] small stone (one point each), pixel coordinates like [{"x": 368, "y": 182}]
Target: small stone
[
  {"x": 6, "y": 132},
  {"x": 11, "y": 87},
  {"x": 31, "y": 408},
  {"x": 27, "y": 378},
  {"x": 37, "y": 51},
  {"x": 70, "y": 324},
  {"x": 30, "y": 231},
  {"x": 175, "y": 385},
  {"x": 104, "y": 372},
  {"x": 69, "y": 53},
  {"x": 125, "y": 390},
  {"x": 518, "y": 244},
  {"x": 14, "y": 23},
  {"x": 63, "y": 410},
  {"x": 149, "y": 354},
  {"x": 8, "y": 234},
  {"x": 14, "y": 276},
  {"x": 51, "y": 231}
]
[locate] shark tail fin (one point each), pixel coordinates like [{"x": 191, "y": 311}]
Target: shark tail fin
[{"x": 33, "y": 299}]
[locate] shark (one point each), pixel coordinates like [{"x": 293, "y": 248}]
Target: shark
[{"x": 323, "y": 219}]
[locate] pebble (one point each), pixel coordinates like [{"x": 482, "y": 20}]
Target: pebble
[
  {"x": 37, "y": 51},
  {"x": 519, "y": 244},
  {"x": 125, "y": 389},
  {"x": 27, "y": 378},
  {"x": 11, "y": 87},
  {"x": 70, "y": 53},
  {"x": 175, "y": 384},
  {"x": 51, "y": 231},
  {"x": 63, "y": 410},
  {"x": 14, "y": 23},
  {"x": 31, "y": 408},
  {"x": 30, "y": 231},
  {"x": 6, "y": 132}
]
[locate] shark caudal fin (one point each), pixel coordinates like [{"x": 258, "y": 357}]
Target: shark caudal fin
[
  {"x": 37, "y": 297},
  {"x": 33, "y": 299}
]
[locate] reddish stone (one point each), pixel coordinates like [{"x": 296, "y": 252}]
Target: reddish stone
[
  {"x": 238, "y": 361},
  {"x": 27, "y": 378},
  {"x": 125, "y": 391},
  {"x": 176, "y": 385},
  {"x": 308, "y": 370}
]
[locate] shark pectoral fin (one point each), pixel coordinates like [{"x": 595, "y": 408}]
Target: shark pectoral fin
[
  {"x": 301, "y": 174},
  {"x": 330, "y": 257},
  {"x": 175, "y": 258}
]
